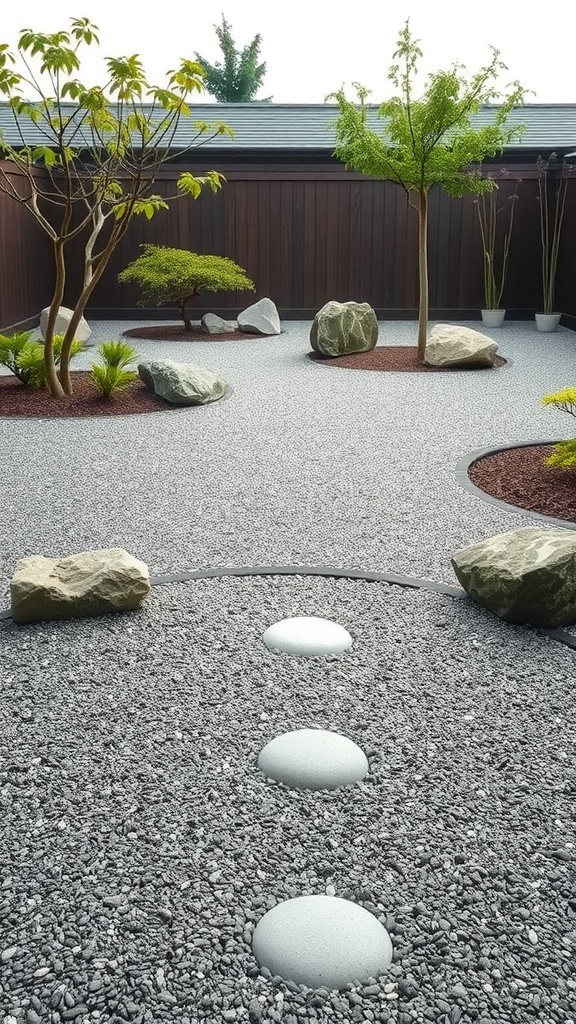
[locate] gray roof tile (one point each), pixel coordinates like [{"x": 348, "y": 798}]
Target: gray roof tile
[{"x": 306, "y": 126}]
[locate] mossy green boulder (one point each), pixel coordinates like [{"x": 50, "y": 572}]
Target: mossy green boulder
[
  {"x": 526, "y": 575},
  {"x": 342, "y": 328}
]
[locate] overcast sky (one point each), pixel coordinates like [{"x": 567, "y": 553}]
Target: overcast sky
[{"x": 312, "y": 47}]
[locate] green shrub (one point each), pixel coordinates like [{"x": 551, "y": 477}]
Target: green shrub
[
  {"x": 111, "y": 374},
  {"x": 11, "y": 346},
  {"x": 25, "y": 358},
  {"x": 175, "y": 275},
  {"x": 564, "y": 454}
]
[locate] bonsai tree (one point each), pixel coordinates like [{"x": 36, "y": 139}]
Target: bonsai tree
[
  {"x": 427, "y": 142},
  {"x": 238, "y": 79},
  {"x": 95, "y": 156},
  {"x": 175, "y": 275}
]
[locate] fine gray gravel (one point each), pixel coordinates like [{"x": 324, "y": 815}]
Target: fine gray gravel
[
  {"x": 140, "y": 844},
  {"x": 304, "y": 464}
]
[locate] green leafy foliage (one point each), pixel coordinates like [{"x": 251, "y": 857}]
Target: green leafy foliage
[
  {"x": 564, "y": 400},
  {"x": 124, "y": 130},
  {"x": 111, "y": 374},
  {"x": 238, "y": 78},
  {"x": 25, "y": 358},
  {"x": 429, "y": 141},
  {"x": 175, "y": 275},
  {"x": 564, "y": 454},
  {"x": 11, "y": 346}
]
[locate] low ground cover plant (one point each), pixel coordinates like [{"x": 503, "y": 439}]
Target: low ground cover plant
[
  {"x": 25, "y": 358},
  {"x": 564, "y": 454},
  {"x": 111, "y": 373}
]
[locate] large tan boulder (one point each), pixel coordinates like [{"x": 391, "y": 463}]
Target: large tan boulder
[
  {"x": 524, "y": 575},
  {"x": 88, "y": 583},
  {"x": 452, "y": 345},
  {"x": 63, "y": 318},
  {"x": 342, "y": 328}
]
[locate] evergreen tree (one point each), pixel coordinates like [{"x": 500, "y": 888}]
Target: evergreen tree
[{"x": 238, "y": 78}]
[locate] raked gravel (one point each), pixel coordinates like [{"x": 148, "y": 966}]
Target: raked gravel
[
  {"x": 140, "y": 843},
  {"x": 304, "y": 464}
]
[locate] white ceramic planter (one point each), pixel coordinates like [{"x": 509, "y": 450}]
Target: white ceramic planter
[
  {"x": 547, "y": 322},
  {"x": 493, "y": 317}
]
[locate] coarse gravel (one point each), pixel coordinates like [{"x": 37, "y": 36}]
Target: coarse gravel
[{"x": 140, "y": 843}]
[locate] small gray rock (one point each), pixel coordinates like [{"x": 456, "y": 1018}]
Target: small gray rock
[
  {"x": 260, "y": 318},
  {"x": 211, "y": 323}
]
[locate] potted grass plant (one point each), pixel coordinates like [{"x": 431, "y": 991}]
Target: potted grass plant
[
  {"x": 552, "y": 189},
  {"x": 493, "y": 210}
]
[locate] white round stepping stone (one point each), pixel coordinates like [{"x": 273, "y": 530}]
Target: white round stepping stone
[
  {"x": 313, "y": 759},
  {"x": 307, "y": 636},
  {"x": 322, "y": 942}
]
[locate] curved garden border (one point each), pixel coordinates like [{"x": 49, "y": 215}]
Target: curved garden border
[
  {"x": 330, "y": 571},
  {"x": 462, "y": 478}
]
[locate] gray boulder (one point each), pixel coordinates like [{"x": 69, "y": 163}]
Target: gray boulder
[
  {"x": 342, "y": 328},
  {"x": 181, "y": 383},
  {"x": 85, "y": 584},
  {"x": 63, "y": 318},
  {"x": 452, "y": 345},
  {"x": 525, "y": 575},
  {"x": 211, "y": 323},
  {"x": 261, "y": 318}
]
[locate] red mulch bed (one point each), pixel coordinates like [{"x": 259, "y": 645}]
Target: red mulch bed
[
  {"x": 403, "y": 358},
  {"x": 177, "y": 332},
  {"x": 16, "y": 400},
  {"x": 521, "y": 477}
]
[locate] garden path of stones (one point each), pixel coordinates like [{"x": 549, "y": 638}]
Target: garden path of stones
[{"x": 144, "y": 837}]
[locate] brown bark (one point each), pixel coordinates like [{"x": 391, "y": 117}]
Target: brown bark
[{"x": 422, "y": 271}]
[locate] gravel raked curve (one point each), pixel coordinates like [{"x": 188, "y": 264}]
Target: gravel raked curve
[
  {"x": 302, "y": 465},
  {"x": 140, "y": 843}
]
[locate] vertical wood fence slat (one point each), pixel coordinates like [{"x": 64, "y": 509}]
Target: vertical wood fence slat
[{"x": 305, "y": 236}]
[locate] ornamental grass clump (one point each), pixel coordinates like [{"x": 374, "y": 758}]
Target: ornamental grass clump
[
  {"x": 175, "y": 275},
  {"x": 564, "y": 454},
  {"x": 552, "y": 200},
  {"x": 490, "y": 207},
  {"x": 111, "y": 374},
  {"x": 25, "y": 358}
]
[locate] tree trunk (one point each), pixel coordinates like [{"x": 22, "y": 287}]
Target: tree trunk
[
  {"x": 92, "y": 275},
  {"x": 422, "y": 271},
  {"x": 184, "y": 315},
  {"x": 50, "y": 373}
]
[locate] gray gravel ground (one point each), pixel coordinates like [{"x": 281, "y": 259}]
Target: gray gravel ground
[{"x": 139, "y": 842}]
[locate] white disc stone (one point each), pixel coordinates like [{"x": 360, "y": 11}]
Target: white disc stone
[
  {"x": 307, "y": 636},
  {"x": 313, "y": 759},
  {"x": 322, "y": 942}
]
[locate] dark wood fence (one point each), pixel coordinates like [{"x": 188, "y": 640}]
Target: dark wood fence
[
  {"x": 26, "y": 273},
  {"x": 307, "y": 236}
]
